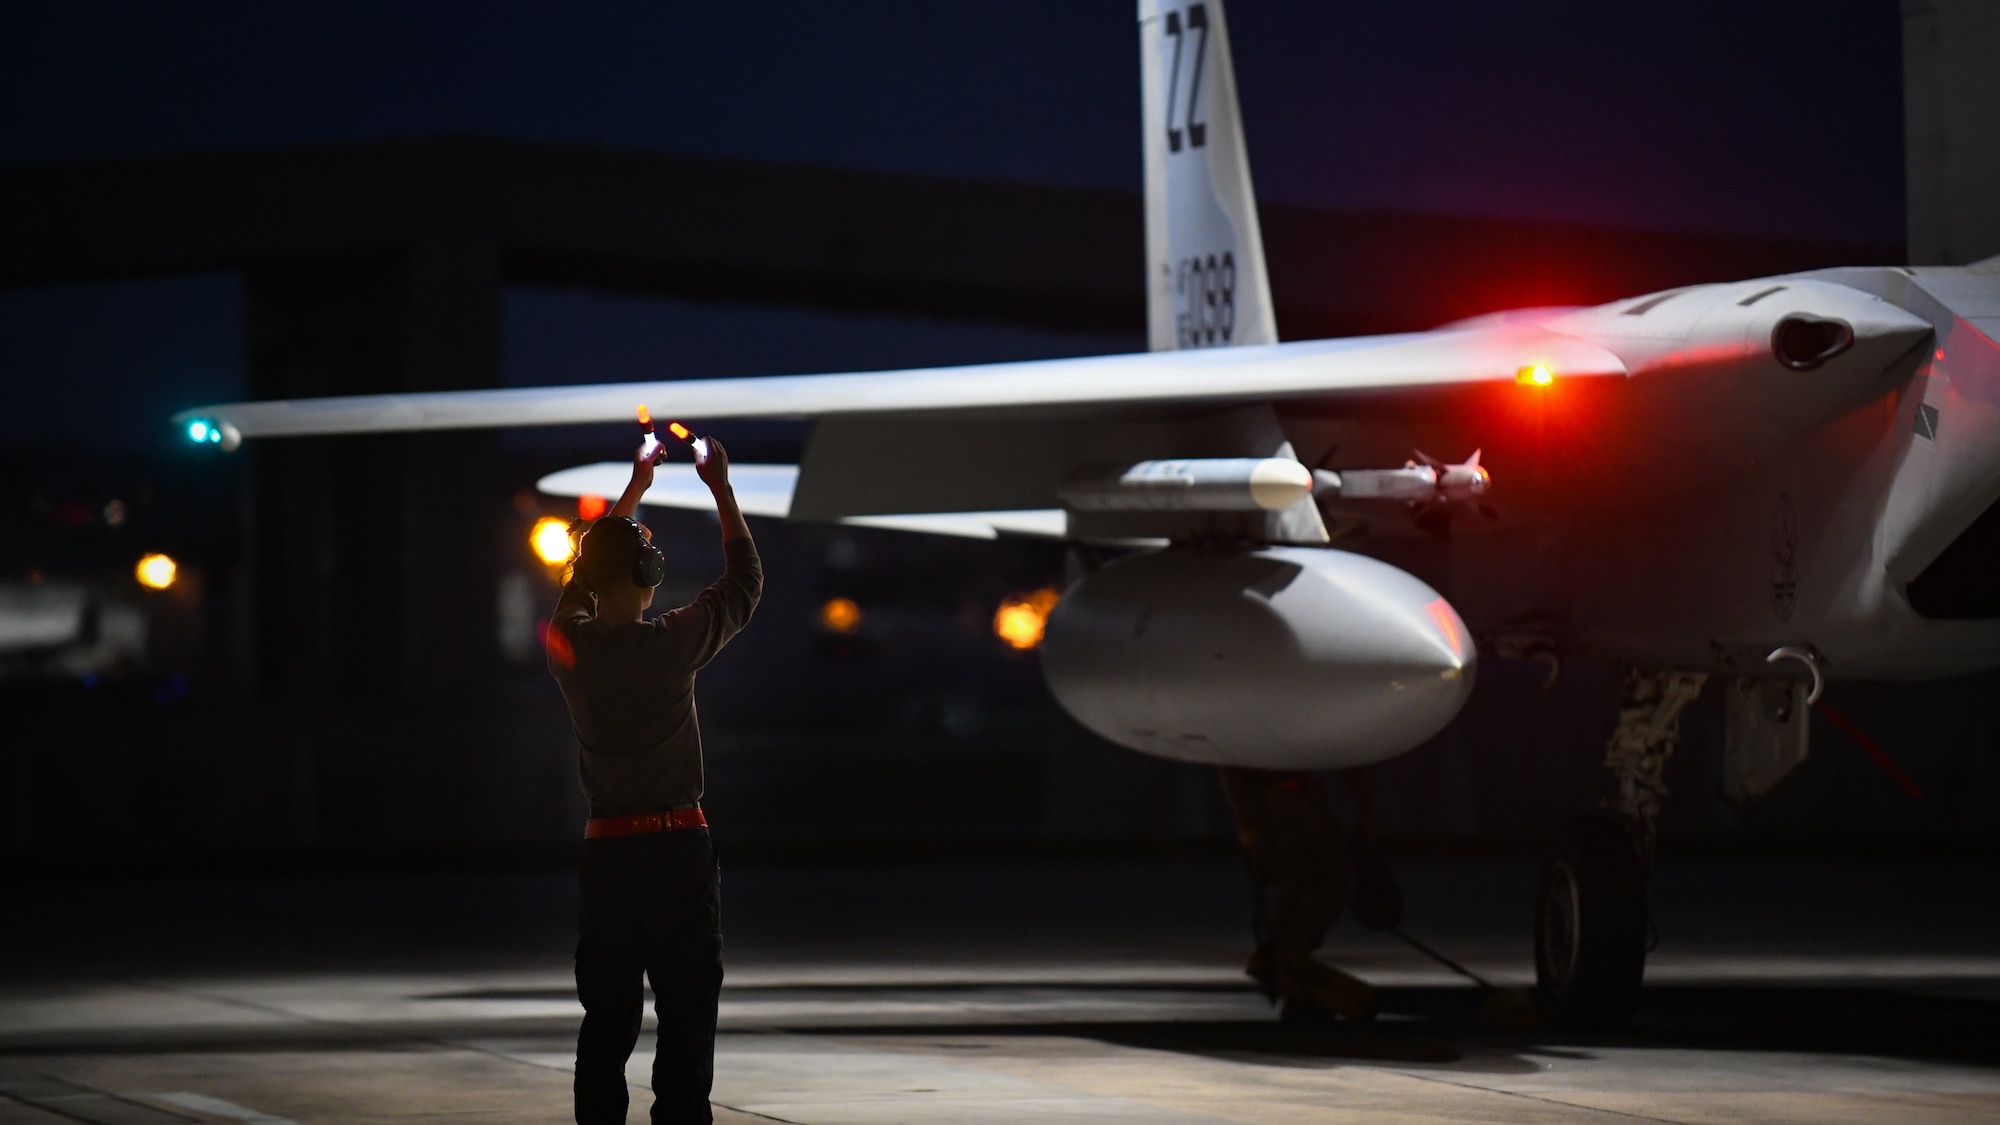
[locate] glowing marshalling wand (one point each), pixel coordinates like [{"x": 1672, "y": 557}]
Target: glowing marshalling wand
[
  {"x": 679, "y": 431},
  {"x": 650, "y": 448}
]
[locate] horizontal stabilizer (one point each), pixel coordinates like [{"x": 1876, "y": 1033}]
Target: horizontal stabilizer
[
  {"x": 761, "y": 490},
  {"x": 766, "y": 490}
]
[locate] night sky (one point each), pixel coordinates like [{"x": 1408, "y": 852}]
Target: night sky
[{"x": 1778, "y": 118}]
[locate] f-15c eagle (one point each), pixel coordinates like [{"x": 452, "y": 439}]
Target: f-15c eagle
[{"x": 1764, "y": 482}]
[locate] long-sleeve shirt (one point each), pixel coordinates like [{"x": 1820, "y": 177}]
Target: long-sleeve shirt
[{"x": 630, "y": 686}]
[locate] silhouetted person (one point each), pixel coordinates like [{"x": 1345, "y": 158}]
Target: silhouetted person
[
  {"x": 1300, "y": 873},
  {"x": 650, "y": 893}
]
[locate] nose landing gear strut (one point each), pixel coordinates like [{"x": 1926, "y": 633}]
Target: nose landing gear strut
[{"x": 1591, "y": 904}]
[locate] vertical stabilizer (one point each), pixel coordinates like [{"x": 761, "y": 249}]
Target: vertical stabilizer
[{"x": 1205, "y": 279}]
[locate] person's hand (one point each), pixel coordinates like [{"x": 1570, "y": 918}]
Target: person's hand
[
  {"x": 644, "y": 460},
  {"x": 711, "y": 463}
]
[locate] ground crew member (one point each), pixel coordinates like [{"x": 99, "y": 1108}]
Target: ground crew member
[
  {"x": 650, "y": 893},
  {"x": 1299, "y": 871}
]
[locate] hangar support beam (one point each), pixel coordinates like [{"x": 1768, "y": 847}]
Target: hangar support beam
[
  {"x": 1951, "y": 130},
  {"x": 720, "y": 229},
  {"x": 704, "y": 227}
]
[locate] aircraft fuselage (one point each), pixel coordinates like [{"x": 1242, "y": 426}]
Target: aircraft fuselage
[{"x": 1730, "y": 496}]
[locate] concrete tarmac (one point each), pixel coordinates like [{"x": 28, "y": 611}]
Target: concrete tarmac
[{"x": 975, "y": 992}]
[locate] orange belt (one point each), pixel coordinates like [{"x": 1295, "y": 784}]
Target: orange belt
[{"x": 644, "y": 823}]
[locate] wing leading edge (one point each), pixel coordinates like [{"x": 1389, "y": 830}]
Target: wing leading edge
[{"x": 1096, "y": 386}]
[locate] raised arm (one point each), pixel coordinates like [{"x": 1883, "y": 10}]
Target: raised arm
[
  {"x": 649, "y": 455},
  {"x": 711, "y": 464},
  {"x": 697, "y": 631}
]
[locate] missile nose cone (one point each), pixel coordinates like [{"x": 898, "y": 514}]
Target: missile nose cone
[{"x": 1277, "y": 483}]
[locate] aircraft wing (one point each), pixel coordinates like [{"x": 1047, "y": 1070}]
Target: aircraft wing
[{"x": 1096, "y": 386}]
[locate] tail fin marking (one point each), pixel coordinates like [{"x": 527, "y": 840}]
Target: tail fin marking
[{"x": 1206, "y": 284}]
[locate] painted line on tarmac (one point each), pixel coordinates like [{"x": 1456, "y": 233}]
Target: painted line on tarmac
[{"x": 216, "y": 1107}]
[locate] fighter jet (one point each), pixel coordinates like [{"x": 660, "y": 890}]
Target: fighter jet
[{"x": 1767, "y": 483}]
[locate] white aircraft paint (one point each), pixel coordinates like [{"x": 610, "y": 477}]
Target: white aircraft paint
[
  {"x": 1206, "y": 283},
  {"x": 766, "y": 490}
]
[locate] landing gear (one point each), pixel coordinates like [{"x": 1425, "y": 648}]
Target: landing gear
[
  {"x": 1590, "y": 927},
  {"x": 1591, "y": 904}
]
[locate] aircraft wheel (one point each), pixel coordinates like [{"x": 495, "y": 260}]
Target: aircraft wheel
[{"x": 1590, "y": 927}]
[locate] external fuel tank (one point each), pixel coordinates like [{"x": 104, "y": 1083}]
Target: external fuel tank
[{"x": 1279, "y": 658}]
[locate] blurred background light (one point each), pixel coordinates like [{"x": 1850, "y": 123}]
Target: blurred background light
[
  {"x": 550, "y": 540},
  {"x": 1021, "y": 618},
  {"x": 839, "y": 615},
  {"x": 156, "y": 571}
]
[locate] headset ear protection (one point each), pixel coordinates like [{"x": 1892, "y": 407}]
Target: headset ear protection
[{"x": 649, "y": 566}]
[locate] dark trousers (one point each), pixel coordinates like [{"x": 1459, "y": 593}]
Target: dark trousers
[
  {"x": 1298, "y": 864},
  {"x": 651, "y": 906}
]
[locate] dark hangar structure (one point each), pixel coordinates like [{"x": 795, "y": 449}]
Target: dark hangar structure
[{"x": 381, "y": 267}]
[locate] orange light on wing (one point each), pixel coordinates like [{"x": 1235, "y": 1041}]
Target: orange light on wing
[
  {"x": 680, "y": 431},
  {"x": 1535, "y": 375},
  {"x": 590, "y": 505},
  {"x": 550, "y": 540},
  {"x": 840, "y": 616},
  {"x": 1447, "y": 623},
  {"x": 1022, "y": 618},
  {"x": 645, "y": 416}
]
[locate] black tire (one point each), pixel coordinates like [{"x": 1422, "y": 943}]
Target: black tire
[{"x": 1590, "y": 927}]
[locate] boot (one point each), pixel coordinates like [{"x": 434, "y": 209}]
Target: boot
[
  {"x": 1260, "y": 969},
  {"x": 1313, "y": 990}
]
